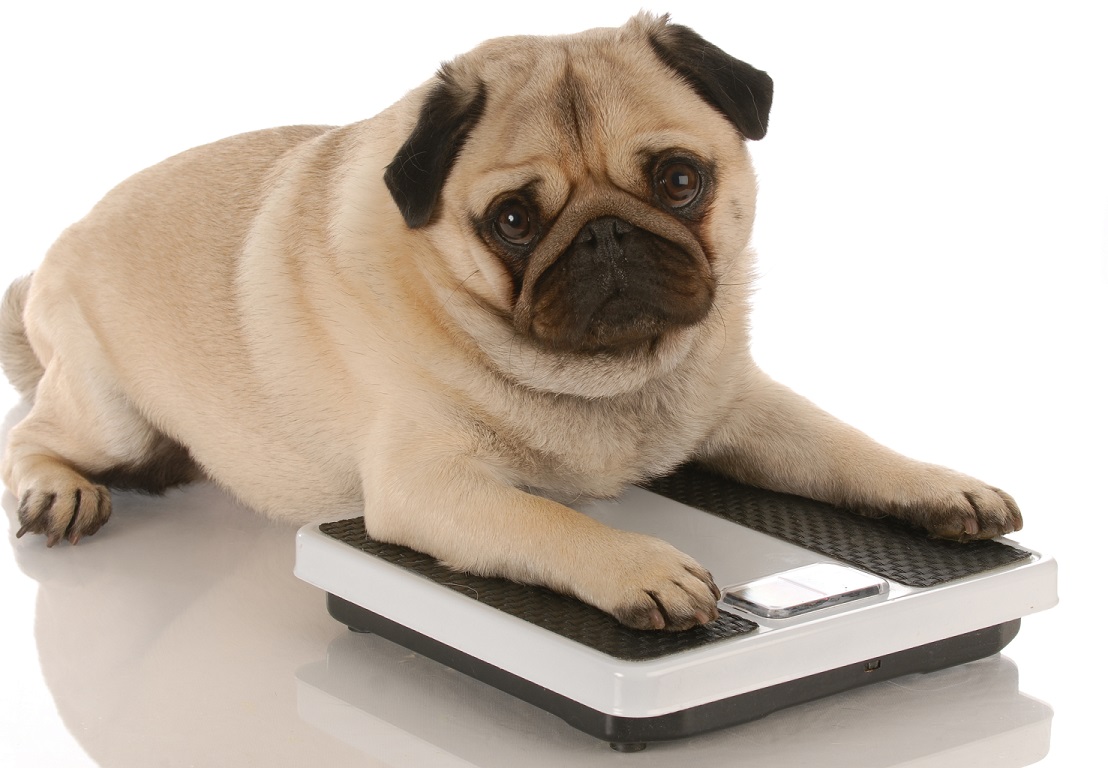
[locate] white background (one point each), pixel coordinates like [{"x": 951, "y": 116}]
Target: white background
[{"x": 933, "y": 235}]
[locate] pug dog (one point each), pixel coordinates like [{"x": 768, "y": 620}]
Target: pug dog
[{"x": 524, "y": 284}]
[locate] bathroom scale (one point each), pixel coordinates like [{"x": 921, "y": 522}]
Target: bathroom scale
[{"x": 815, "y": 601}]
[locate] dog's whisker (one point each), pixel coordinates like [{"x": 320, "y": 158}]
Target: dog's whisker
[{"x": 458, "y": 287}]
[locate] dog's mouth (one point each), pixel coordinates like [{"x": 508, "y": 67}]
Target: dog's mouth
[{"x": 626, "y": 278}]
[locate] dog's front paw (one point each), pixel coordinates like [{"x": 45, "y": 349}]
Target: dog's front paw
[
  {"x": 652, "y": 585},
  {"x": 61, "y": 503},
  {"x": 951, "y": 505}
]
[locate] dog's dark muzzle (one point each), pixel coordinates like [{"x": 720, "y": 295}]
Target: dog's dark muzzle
[
  {"x": 613, "y": 282},
  {"x": 617, "y": 287}
]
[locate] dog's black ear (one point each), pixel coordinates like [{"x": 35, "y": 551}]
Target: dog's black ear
[
  {"x": 742, "y": 93},
  {"x": 416, "y": 175}
]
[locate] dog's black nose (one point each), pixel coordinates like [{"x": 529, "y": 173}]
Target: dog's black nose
[{"x": 605, "y": 231}]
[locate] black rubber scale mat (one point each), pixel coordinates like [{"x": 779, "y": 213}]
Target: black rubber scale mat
[
  {"x": 558, "y": 613},
  {"x": 884, "y": 547}
]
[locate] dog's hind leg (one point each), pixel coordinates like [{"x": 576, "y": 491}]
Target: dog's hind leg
[{"x": 81, "y": 436}]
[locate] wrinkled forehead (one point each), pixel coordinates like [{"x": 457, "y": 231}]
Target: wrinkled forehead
[{"x": 558, "y": 117}]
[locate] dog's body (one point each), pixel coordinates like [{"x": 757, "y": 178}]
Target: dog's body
[{"x": 543, "y": 297}]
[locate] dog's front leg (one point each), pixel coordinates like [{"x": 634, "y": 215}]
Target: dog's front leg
[
  {"x": 461, "y": 510},
  {"x": 776, "y": 439}
]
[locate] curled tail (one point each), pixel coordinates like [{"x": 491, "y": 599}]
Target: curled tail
[{"x": 20, "y": 364}]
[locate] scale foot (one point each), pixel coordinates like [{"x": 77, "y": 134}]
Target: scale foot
[
  {"x": 628, "y": 746},
  {"x": 359, "y": 630}
]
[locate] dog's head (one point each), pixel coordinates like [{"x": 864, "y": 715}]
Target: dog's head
[{"x": 591, "y": 192}]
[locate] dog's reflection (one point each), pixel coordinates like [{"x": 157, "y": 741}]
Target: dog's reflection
[
  {"x": 173, "y": 636},
  {"x": 179, "y": 636}
]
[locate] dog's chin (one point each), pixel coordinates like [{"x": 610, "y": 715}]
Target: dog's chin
[
  {"x": 621, "y": 331},
  {"x": 588, "y": 372},
  {"x": 621, "y": 351}
]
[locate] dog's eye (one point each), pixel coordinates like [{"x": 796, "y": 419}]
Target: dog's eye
[
  {"x": 515, "y": 223},
  {"x": 678, "y": 184}
]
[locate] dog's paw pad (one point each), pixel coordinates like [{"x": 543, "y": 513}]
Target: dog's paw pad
[
  {"x": 661, "y": 588},
  {"x": 983, "y": 513},
  {"x": 65, "y": 508},
  {"x": 950, "y": 505}
]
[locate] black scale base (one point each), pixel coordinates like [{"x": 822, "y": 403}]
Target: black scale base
[{"x": 883, "y": 547}]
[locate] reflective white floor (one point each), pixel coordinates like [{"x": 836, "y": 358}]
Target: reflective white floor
[
  {"x": 179, "y": 636},
  {"x": 933, "y": 232}
]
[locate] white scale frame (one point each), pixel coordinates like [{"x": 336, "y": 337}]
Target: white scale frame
[{"x": 782, "y": 649}]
